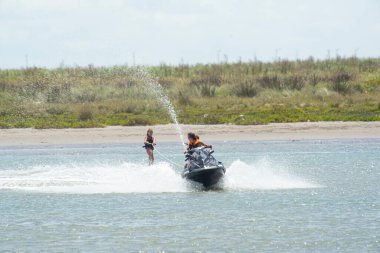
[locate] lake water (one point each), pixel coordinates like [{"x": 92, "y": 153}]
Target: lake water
[{"x": 303, "y": 196}]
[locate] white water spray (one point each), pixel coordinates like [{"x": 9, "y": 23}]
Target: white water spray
[
  {"x": 159, "y": 92},
  {"x": 263, "y": 175},
  {"x": 89, "y": 178}
]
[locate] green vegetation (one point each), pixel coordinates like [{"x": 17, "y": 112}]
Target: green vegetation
[{"x": 346, "y": 89}]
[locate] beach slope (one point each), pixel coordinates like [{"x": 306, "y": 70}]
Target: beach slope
[{"x": 208, "y": 133}]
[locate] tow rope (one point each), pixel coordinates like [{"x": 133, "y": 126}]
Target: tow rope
[{"x": 167, "y": 158}]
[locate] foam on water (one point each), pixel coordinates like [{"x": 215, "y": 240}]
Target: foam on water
[
  {"x": 263, "y": 175},
  {"x": 138, "y": 178},
  {"x": 84, "y": 178}
]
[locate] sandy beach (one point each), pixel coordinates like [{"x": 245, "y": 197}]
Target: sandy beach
[{"x": 208, "y": 133}]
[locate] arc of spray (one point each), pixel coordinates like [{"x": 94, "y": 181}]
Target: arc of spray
[{"x": 160, "y": 94}]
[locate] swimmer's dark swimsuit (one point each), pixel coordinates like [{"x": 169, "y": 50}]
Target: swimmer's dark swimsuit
[{"x": 150, "y": 145}]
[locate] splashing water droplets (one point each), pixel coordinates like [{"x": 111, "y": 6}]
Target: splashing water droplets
[{"x": 158, "y": 91}]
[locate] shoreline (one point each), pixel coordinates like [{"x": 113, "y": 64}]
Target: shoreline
[{"x": 208, "y": 133}]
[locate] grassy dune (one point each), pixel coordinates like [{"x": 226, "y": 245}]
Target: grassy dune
[{"x": 346, "y": 89}]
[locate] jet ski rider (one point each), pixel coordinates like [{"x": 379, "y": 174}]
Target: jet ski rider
[{"x": 194, "y": 142}]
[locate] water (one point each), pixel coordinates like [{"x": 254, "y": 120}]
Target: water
[
  {"x": 158, "y": 91},
  {"x": 309, "y": 196}
]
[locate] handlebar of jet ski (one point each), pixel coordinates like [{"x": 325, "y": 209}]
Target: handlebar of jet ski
[{"x": 192, "y": 150}]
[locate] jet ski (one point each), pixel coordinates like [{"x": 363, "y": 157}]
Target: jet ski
[{"x": 202, "y": 167}]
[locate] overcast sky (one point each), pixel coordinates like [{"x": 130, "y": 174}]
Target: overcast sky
[{"x": 111, "y": 32}]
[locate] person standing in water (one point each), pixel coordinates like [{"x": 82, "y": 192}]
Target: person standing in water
[{"x": 149, "y": 143}]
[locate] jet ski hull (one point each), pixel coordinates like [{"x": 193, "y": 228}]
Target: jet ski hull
[{"x": 208, "y": 176}]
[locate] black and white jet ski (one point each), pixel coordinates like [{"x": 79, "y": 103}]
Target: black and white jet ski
[{"x": 202, "y": 167}]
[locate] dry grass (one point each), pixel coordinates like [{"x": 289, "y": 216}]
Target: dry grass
[{"x": 283, "y": 91}]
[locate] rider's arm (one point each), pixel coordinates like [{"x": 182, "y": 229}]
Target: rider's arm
[{"x": 202, "y": 144}]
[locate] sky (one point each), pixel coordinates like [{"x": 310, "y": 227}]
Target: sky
[{"x": 50, "y": 33}]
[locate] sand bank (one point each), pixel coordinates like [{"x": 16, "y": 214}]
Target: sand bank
[{"x": 208, "y": 133}]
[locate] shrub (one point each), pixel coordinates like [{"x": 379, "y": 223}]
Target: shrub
[
  {"x": 85, "y": 114},
  {"x": 207, "y": 79},
  {"x": 206, "y": 90},
  {"x": 245, "y": 89},
  {"x": 3, "y": 85},
  {"x": 130, "y": 108},
  {"x": 206, "y": 85},
  {"x": 341, "y": 77},
  {"x": 56, "y": 110},
  {"x": 85, "y": 96},
  {"x": 340, "y": 82},
  {"x": 166, "y": 82},
  {"x": 53, "y": 94},
  {"x": 183, "y": 98},
  {"x": 293, "y": 82},
  {"x": 314, "y": 79},
  {"x": 270, "y": 81}
]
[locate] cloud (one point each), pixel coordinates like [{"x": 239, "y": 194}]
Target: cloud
[{"x": 111, "y": 32}]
